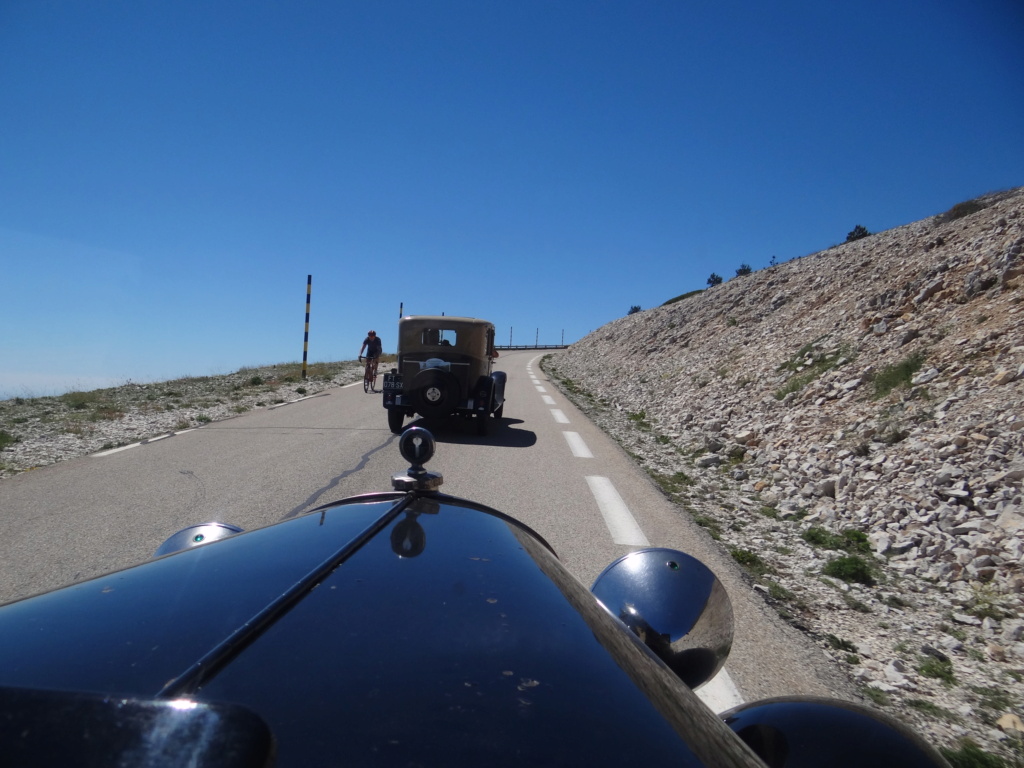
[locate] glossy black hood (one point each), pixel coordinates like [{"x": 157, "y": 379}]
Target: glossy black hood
[{"x": 393, "y": 631}]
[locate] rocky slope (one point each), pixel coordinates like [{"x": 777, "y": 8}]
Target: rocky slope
[{"x": 857, "y": 412}]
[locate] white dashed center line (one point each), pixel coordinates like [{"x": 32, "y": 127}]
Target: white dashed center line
[
  {"x": 548, "y": 400},
  {"x": 560, "y": 417}
]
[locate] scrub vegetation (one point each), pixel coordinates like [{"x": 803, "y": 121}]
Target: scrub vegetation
[{"x": 108, "y": 418}]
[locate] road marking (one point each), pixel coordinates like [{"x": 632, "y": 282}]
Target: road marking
[
  {"x": 115, "y": 450},
  {"x": 621, "y": 523},
  {"x": 720, "y": 693},
  {"x": 310, "y": 397},
  {"x": 577, "y": 446},
  {"x": 539, "y": 388},
  {"x": 110, "y": 451}
]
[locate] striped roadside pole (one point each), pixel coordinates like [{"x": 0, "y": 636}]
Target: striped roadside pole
[{"x": 305, "y": 338}]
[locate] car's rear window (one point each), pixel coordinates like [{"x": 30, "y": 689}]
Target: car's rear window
[{"x": 438, "y": 337}]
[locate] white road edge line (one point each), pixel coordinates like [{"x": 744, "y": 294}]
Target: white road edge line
[
  {"x": 560, "y": 417},
  {"x": 539, "y": 388},
  {"x": 577, "y": 446},
  {"x": 720, "y": 693},
  {"x": 620, "y": 521},
  {"x": 300, "y": 399},
  {"x": 548, "y": 399},
  {"x": 109, "y": 451}
]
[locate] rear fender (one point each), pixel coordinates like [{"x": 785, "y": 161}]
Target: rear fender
[{"x": 498, "y": 378}]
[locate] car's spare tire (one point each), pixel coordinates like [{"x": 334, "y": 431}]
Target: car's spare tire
[{"x": 435, "y": 392}]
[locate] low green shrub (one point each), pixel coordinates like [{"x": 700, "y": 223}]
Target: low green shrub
[
  {"x": 897, "y": 375},
  {"x": 778, "y": 592},
  {"x": 933, "y": 710},
  {"x": 79, "y": 401},
  {"x": 683, "y": 296},
  {"x": 751, "y": 561},
  {"x": 850, "y": 568},
  {"x": 970, "y": 755},
  {"x": 878, "y": 697},
  {"x": 640, "y": 420},
  {"x": 712, "y": 526},
  {"x": 997, "y": 699},
  {"x": 960, "y": 210},
  {"x": 841, "y": 645},
  {"x": 807, "y": 370},
  {"x": 850, "y": 540},
  {"x": 938, "y": 669}
]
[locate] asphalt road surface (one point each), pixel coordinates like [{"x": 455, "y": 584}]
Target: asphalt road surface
[{"x": 544, "y": 463}]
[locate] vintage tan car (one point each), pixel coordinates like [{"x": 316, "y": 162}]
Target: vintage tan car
[{"x": 444, "y": 369}]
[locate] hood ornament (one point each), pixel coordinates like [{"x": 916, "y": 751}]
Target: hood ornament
[{"x": 417, "y": 447}]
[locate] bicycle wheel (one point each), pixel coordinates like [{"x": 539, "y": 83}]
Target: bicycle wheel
[{"x": 366, "y": 379}]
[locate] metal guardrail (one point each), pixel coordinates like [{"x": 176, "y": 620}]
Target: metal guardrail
[{"x": 531, "y": 346}]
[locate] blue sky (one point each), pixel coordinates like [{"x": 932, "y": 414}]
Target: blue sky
[{"x": 171, "y": 170}]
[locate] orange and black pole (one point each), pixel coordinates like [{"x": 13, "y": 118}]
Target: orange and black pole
[{"x": 305, "y": 338}]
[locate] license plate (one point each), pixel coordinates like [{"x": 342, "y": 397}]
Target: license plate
[{"x": 392, "y": 382}]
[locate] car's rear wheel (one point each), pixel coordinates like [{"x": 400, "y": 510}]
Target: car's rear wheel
[
  {"x": 395, "y": 419},
  {"x": 481, "y": 423}
]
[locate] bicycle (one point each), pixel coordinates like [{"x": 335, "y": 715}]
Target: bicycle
[{"x": 370, "y": 374}]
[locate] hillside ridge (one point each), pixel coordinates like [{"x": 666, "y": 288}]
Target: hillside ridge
[{"x": 857, "y": 412}]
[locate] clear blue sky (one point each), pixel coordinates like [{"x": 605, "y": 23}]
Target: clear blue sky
[{"x": 171, "y": 170}]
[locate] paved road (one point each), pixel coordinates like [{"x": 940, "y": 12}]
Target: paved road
[{"x": 545, "y": 464}]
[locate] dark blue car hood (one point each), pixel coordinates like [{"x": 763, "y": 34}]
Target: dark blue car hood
[{"x": 389, "y": 630}]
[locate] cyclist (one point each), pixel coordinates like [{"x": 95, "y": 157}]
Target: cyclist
[{"x": 372, "y": 345}]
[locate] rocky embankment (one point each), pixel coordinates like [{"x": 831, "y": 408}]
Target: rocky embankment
[
  {"x": 38, "y": 431},
  {"x": 850, "y": 425}
]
